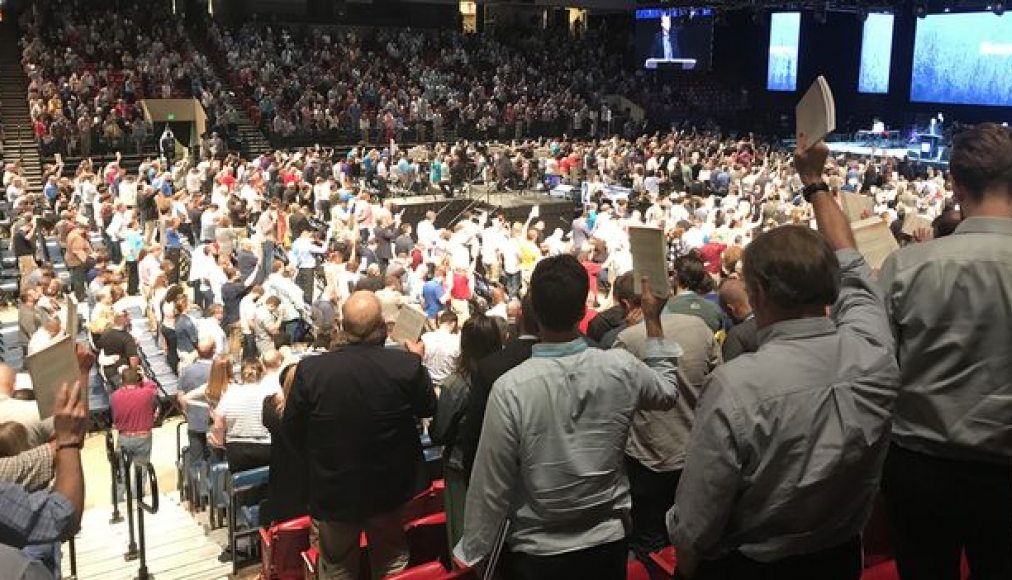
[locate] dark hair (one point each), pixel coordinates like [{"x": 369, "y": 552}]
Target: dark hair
[
  {"x": 559, "y": 292},
  {"x": 625, "y": 289},
  {"x": 691, "y": 274},
  {"x": 131, "y": 376},
  {"x": 447, "y": 317},
  {"x": 479, "y": 338},
  {"x": 981, "y": 159},
  {"x": 795, "y": 267}
]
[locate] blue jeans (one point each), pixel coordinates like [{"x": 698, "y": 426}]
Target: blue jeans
[{"x": 49, "y": 555}]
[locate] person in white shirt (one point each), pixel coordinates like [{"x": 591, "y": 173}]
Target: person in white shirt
[
  {"x": 210, "y": 327},
  {"x": 427, "y": 233},
  {"x": 50, "y": 331},
  {"x": 247, "y": 320},
  {"x": 442, "y": 348}
]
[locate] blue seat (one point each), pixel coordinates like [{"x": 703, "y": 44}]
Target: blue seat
[
  {"x": 237, "y": 483},
  {"x": 217, "y": 498}
]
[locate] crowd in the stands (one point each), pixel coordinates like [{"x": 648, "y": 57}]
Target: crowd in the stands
[{"x": 88, "y": 65}]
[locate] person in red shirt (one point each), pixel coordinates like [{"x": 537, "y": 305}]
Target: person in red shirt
[
  {"x": 133, "y": 415},
  {"x": 710, "y": 253}
]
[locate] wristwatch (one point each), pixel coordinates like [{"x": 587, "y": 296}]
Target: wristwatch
[{"x": 813, "y": 188}]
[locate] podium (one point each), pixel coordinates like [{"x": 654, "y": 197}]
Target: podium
[{"x": 670, "y": 63}]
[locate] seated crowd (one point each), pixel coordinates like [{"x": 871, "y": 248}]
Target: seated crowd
[{"x": 749, "y": 419}]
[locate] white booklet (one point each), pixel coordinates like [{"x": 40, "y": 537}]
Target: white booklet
[
  {"x": 649, "y": 259},
  {"x": 51, "y": 368},
  {"x": 815, "y": 115},
  {"x": 874, "y": 240},
  {"x": 915, "y": 221},
  {"x": 409, "y": 325},
  {"x": 856, "y": 205}
]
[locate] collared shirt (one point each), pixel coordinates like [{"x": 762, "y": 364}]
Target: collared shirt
[
  {"x": 552, "y": 448},
  {"x": 33, "y": 518},
  {"x": 658, "y": 439},
  {"x": 788, "y": 443},
  {"x": 948, "y": 303},
  {"x": 32, "y": 469},
  {"x": 304, "y": 252}
]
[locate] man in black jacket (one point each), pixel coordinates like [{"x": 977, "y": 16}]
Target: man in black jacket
[
  {"x": 353, "y": 412},
  {"x": 489, "y": 370}
]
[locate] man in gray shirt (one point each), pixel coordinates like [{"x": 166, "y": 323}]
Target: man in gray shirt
[
  {"x": 788, "y": 442},
  {"x": 192, "y": 377},
  {"x": 948, "y": 475}
]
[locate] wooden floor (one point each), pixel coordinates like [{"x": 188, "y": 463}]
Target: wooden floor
[{"x": 177, "y": 546}]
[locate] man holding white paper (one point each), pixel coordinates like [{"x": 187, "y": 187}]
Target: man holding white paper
[{"x": 820, "y": 388}]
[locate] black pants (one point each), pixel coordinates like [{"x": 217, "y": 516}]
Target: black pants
[
  {"x": 173, "y": 255},
  {"x": 133, "y": 277},
  {"x": 243, "y": 456},
  {"x": 604, "y": 562},
  {"x": 940, "y": 507},
  {"x": 78, "y": 281},
  {"x": 653, "y": 494},
  {"x": 171, "y": 354},
  {"x": 842, "y": 562},
  {"x": 199, "y": 450},
  {"x": 305, "y": 279}
]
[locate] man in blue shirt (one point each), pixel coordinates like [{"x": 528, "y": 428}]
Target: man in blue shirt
[{"x": 434, "y": 294}]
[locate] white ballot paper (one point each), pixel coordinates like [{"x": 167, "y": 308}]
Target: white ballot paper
[
  {"x": 915, "y": 221},
  {"x": 409, "y": 326},
  {"x": 815, "y": 115},
  {"x": 855, "y": 205},
  {"x": 874, "y": 240},
  {"x": 51, "y": 368},
  {"x": 71, "y": 312},
  {"x": 648, "y": 254}
]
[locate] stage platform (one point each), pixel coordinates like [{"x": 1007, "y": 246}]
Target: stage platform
[
  {"x": 555, "y": 212},
  {"x": 860, "y": 148}
]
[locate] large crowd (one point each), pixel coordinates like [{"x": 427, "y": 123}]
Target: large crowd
[{"x": 747, "y": 408}]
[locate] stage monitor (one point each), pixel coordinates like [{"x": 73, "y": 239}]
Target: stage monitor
[
  {"x": 674, "y": 38},
  {"x": 782, "y": 71},
  {"x": 963, "y": 59},
  {"x": 876, "y": 54}
]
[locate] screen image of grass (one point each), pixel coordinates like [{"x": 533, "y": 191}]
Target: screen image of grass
[{"x": 963, "y": 59}]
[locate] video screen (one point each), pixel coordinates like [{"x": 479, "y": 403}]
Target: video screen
[
  {"x": 675, "y": 38},
  {"x": 963, "y": 59},
  {"x": 782, "y": 70},
  {"x": 876, "y": 54}
]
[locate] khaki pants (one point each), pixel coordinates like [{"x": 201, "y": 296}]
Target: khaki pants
[
  {"x": 340, "y": 554},
  {"x": 462, "y": 308}
]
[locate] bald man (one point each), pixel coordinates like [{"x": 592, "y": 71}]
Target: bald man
[
  {"x": 354, "y": 414},
  {"x": 743, "y": 337}
]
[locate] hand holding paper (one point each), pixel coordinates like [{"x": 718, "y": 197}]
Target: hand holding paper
[
  {"x": 647, "y": 248},
  {"x": 815, "y": 115}
]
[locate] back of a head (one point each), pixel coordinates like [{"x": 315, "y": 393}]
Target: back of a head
[
  {"x": 251, "y": 371},
  {"x": 981, "y": 161},
  {"x": 272, "y": 360},
  {"x": 691, "y": 274},
  {"x": 479, "y": 337},
  {"x": 362, "y": 318},
  {"x": 558, "y": 292},
  {"x": 794, "y": 266},
  {"x": 205, "y": 347},
  {"x": 131, "y": 376},
  {"x": 447, "y": 318},
  {"x": 625, "y": 289},
  {"x": 13, "y": 439}
]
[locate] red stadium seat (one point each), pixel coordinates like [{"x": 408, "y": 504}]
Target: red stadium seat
[
  {"x": 426, "y": 503},
  {"x": 311, "y": 557},
  {"x": 882, "y": 571},
  {"x": 635, "y": 570},
  {"x": 281, "y": 546},
  {"x": 427, "y": 539},
  {"x": 666, "y": 560}
]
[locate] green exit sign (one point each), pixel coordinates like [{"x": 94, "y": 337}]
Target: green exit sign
[{"x": 172, "y": 116}]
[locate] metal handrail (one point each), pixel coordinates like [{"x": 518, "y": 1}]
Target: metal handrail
[
  {"x": 115, "y": 475},
  {"x": 131, "y": 553},
  {"x": 142, "y": 506}
]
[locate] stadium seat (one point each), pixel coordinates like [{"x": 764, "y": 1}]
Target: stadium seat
[
  {"x": 635, "y": 570},
  {"x": 426, "y": 503},
  {"x": 426, "y": 571},
  {"x": 236, "y": 484},
  {"x": 885, "y": 570},
  {"x": 280, "y": 549},
  {"x": 427, "y": 539},
  {"x": 311, "y": 557},
  {"x": 666, "y": 560}
]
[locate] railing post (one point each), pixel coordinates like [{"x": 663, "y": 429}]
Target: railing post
[
  {"x": 131, "y": 553},
  {"x": 114, "y": 475},
  {"x": 139, "y": 472}
]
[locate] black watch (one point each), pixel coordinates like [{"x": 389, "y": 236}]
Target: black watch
[{"x": 813, "y": 188}]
